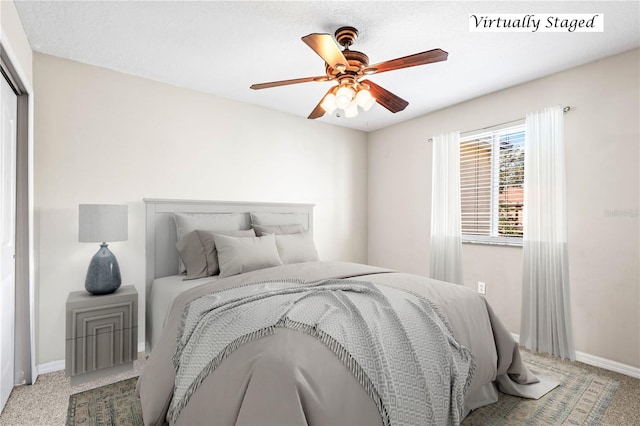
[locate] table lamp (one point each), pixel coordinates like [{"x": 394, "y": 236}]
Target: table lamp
[{"x": 102, "y": 223}]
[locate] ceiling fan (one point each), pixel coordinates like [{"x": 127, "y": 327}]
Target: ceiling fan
[{"x": 349, "y": 69}]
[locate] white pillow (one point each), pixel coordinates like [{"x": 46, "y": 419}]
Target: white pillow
[
  {"x": 237, "y": 255},
  {"x": 296, "y": 248}
]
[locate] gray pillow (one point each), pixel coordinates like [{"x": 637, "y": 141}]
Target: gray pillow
[
  {"x": 188, "y": 222},
  {"x": 198, "y": 252},
  {"x": 276, "y": 229},
  {"x": 280, "y": 219},
  {"x": 239, "y": 255},
  {"x": 296, "y": 248},
  {"x": 192, "y": 257}
]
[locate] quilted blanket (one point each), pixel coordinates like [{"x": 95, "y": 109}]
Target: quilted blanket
[{"x": 395, "y": 343}]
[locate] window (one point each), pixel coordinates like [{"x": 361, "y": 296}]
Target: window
[{"x": 492, "y": 185}]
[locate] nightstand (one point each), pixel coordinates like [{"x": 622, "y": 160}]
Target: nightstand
[{"x": 102, "y": 333}]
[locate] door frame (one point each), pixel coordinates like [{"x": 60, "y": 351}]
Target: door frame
[
  {"x": 8, "y": 214},
  {"x": 26, "y": 371}
]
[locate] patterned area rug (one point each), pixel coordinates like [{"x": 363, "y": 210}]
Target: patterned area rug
[
  {"x": 581, "y": 399},
  {"x": 114, "y": 404}
]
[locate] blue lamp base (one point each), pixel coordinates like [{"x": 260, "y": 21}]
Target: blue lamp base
[{"x": 103, "y": 275}]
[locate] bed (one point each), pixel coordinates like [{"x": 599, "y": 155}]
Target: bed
[{"x": 436, "y": 352}]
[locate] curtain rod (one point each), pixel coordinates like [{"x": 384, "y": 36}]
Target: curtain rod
[{"x": 565, "y": 109}]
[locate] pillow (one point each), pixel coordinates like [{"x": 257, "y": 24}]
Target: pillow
[
  {"x": 187, "y": 222},
  {"x": 238, "y": 255},
  {"x": 198, "y": 252},
  {"x": 296, "y": 248},
  {"x": 280, "y": 219},
  {"x": 276, "y": 229},
  {"x": 192, "y": 257}
]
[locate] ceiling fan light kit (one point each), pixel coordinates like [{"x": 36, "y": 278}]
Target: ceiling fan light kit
[
  {"x": 348, "y": 97},
  {"x": 364, "y": 99},
  {"x": 328, "y": 104},
  {"x": 348, "y": 68},
  {"x": 344, "y": 96},
  {"x": 351, "y": 110}
]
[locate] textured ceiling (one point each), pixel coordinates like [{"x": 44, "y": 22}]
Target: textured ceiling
[{"x": 223, "y": 47}]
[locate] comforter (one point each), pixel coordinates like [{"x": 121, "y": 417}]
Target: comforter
[{"x": 289, "y": 377}]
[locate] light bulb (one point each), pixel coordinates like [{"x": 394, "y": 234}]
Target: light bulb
[
  {"x": 329, "y": 103},
  {"x": 351, "y": 110},
  {"x": 364, "y": 99},
  {"x": 344, "y": 95}
]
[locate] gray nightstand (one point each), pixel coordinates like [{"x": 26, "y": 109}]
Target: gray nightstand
[{"x": 102, "y": 333}]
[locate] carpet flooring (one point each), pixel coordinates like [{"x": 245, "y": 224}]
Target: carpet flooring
[
  {"x": 581, "y": 399},
  {"x": 588, "y": 396},
  {"x": 46, "y": 402}
]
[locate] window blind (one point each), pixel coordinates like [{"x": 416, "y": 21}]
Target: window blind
[{"x": 492, "y": 185}]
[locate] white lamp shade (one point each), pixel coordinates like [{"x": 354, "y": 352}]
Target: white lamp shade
[
  {"x": 344, "y": 95},
  {"x": 329, "y": 103},
  {"x": 352, "y": 110},
  {"x": 102, "y": 223},
  {"x": 364, "y": 99}
]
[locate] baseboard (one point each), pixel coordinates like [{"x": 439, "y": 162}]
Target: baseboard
[
  {"x": 52, "y": 366},
  {"x": 607, "y": 364}
]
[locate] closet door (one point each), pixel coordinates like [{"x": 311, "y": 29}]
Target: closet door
[{"x": 7, "y": 238}]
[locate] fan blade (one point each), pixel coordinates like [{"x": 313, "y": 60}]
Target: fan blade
[
  {"x": 287, "y": 82},
  {"x": 326, "y": 47},
  {"x": 318, "y": 111},
  {"x": 428, "y": 57},
  {"x": 385, "y": 98}
]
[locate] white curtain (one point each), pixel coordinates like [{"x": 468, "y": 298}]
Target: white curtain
[
  {"x": 546, "y": 314},
  {"x": 446, "y": 238}
]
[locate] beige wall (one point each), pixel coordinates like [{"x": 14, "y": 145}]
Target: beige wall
[
  {"x": 107, "y": 137},
  {"x": 602, "y": 160}
]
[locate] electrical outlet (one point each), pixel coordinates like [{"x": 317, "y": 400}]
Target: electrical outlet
[{"x": 481, "y": 287}]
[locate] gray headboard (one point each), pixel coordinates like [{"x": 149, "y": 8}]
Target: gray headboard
[{"x": 161, "y": 253}]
